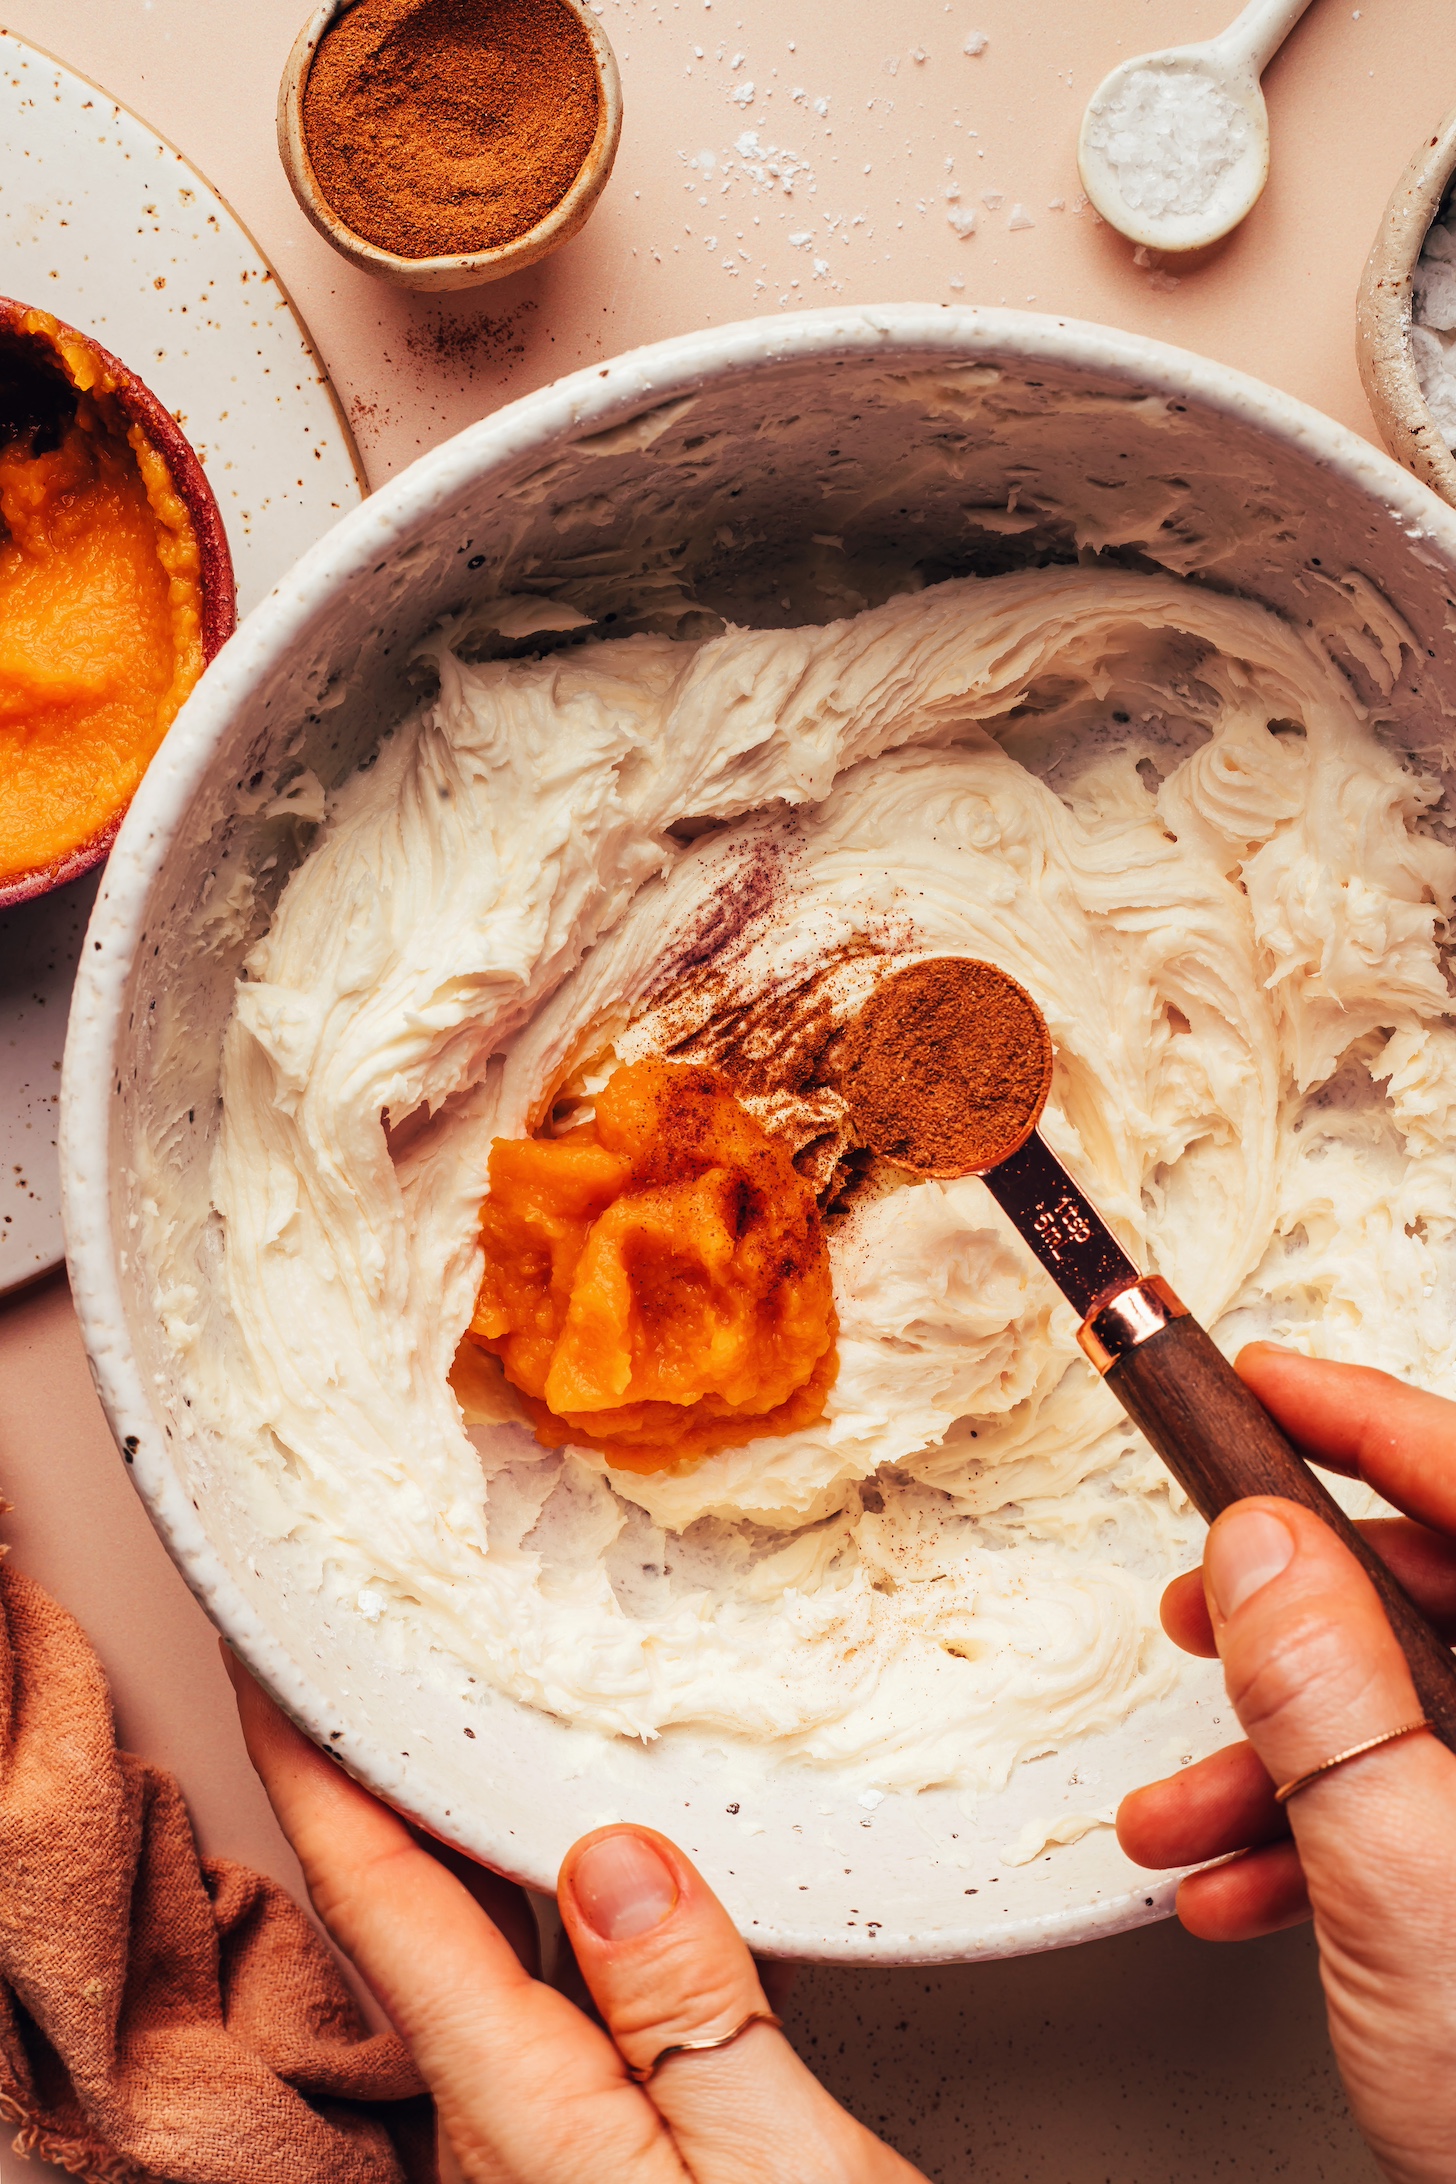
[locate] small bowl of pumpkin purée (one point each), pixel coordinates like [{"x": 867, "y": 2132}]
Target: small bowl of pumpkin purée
[{"x": 116, "y": 589}]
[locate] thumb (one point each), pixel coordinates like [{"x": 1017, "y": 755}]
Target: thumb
[
  {"x": 1313, "y": 1668},
  {"x": 1311, "y": 1664},
  {"x": 665, "y": 1966}
]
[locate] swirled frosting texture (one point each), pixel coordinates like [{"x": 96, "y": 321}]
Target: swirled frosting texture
[{"x": 1165, "y": 812}]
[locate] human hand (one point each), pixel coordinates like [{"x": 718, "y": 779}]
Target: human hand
[
  {"x": 529, "y": 2090},
  {"x": 1312, "y": 1668}
]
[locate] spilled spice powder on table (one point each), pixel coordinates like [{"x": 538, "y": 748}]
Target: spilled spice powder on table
[
  {"x": 436, "y": 127},
  {"x": 948, "y": 1067}
]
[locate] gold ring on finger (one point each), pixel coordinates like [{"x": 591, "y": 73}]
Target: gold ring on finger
[
  {"x": 1286, "y": 1790},
  {"x": 701, "y": 2047}
]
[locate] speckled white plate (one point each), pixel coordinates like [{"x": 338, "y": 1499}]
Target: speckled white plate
[
  {"x": 769, "y": 471},
  {"x": 107, "y": 226}
]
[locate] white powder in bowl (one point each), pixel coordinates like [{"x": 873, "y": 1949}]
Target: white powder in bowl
[
  {"x": 1170, "y": 137},
  {"x": 1433, "y": 322}
]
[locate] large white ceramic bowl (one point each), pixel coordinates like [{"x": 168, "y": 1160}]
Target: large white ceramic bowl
[{"x": 928, "y": 443}]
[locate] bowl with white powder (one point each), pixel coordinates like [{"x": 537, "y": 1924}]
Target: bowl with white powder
[
  {"x": 1174, "y": 148},
  {"x": 636, "y": 731},
  {"x": 1405, "y": 317}
]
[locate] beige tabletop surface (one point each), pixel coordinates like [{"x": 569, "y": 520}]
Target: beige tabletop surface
[{"x": 1125, "y": 2061}]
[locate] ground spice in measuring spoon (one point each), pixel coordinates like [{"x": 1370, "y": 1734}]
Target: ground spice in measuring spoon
[
  {"x": 440, "y": 127},
  {"x": 947, "y": 1067}
]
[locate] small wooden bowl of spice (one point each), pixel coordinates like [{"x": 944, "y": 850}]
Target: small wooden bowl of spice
[{"x": 446, "y": 143}]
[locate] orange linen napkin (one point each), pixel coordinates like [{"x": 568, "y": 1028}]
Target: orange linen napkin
[{"x": 162, "y": 2015}]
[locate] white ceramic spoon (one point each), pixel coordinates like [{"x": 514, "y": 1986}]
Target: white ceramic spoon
[{"x": 1174, "y": 149}]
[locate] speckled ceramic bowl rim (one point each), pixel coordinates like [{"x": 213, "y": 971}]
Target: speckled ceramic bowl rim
[
  {"x": 590, "y": 401},
  {"x": 1383, "y": 314}
]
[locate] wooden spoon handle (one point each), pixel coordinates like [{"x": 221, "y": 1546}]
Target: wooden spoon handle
[{"x": 1221, "y": 1444}]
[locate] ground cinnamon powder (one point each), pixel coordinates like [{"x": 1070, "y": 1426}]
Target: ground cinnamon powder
[
  {"x": 436, "y": 127},
  {"x": 948, "y": 1067}
]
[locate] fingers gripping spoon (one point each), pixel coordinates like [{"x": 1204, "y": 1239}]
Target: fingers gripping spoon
[
  {"x": 1174, "y": 149},
  {"x": 975, "y": 1112}
]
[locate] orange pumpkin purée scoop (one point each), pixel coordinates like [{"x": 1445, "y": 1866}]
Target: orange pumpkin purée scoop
[{"x": 656, "y": 1283}]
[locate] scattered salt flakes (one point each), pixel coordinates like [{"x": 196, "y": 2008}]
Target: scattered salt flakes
[
  {"x": 963, "y": 219},
  {"x": 951, "y": 193},
  {"x": 800, "y": 97},
  {"x": 892, "y": 65},
  {"x": 1056, "y": 204},
  {"x": 802, "y": 240},
  {"x": 742, "y": 94},
  {"x": 871, "y": 1798},
  {"x": 821, "y": 267},
  {"x": 767, "y": 165},
  {"x": 370, "y": 1604},
  {"x": 976, "y": 44},
  {"x": 956, "y": 281},
  {"x": 1158, "y": 279},
  {"x": 737, "y": 62},
  {"x": 1020, "y": 218},
  {"x": 821, "y": 107},
  {"x": 992, "y": 198},
  {"x": 918, "y": 55}
]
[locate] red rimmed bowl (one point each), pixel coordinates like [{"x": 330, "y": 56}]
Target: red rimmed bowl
[{"x": 45, "y": 350}]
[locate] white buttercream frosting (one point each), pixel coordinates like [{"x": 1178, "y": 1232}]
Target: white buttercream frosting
[{"x": 1166, "y": 813}]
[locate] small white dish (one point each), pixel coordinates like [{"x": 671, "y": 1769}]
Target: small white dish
[
  {"x": 1383, "y": 313},
  {"x": 927, "y": 440},
  {"x": 1174, "y": 147},
  {"x": 470, "y": 269}
]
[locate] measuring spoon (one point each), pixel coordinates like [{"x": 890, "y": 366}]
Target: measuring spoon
[
  {"x": 956, "y": 1105},
  {"x": 1174, "y": 149}
]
